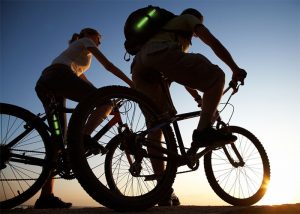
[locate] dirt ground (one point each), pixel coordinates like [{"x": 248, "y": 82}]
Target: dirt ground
[{"x": 278, "y": 209}]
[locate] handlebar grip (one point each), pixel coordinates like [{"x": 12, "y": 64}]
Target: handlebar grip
[{"x": 232, "y": 84}]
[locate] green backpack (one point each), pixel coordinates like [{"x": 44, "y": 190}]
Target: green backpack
[{"x": 143, "y": 24}]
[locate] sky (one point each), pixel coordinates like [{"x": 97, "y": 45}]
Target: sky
[{"x": 263, "y": 37}]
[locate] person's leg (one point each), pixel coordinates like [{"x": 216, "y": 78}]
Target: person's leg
[
  {"x": 197, "y": 72},
  {"x": 210, "y": 101},
  {"x": 47, "y": 198},
  {"x": 48, "y": 187},
  {"x": 76, "y": 89},
  {"x": 150, "y": 83},
  {"x": 157, "y": 165},
  {"x": 96, "y": 117}
]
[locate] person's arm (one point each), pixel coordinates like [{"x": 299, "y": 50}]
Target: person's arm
[
  {"x": 83, "y": 77},
  {"x": 109, "y": 66},
  {"x": 204, "y": 34}
]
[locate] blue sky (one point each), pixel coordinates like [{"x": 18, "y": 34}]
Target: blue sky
[{"x": 262, "y": 36}]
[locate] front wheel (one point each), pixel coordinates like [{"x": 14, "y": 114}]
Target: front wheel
[{"x": 239, "y": 173}]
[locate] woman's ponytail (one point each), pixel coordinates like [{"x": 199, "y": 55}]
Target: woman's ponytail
[
  {"x": 83, "y": 33},
  {"x": 75, "y": 37}
]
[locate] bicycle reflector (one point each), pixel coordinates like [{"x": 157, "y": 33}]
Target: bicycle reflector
[
  {"x": 145, "y": 19},
  {"x": 56, "y": 125}
]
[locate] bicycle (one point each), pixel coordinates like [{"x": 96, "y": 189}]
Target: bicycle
[
  {"x": 124, "y": 179},
  {"x": 31, "y": 151}
]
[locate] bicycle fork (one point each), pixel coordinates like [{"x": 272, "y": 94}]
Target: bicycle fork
[{"x": 237, "y": 154}]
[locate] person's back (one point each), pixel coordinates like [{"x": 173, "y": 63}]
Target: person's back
[
  {"x": 178, "y": 30},
  {"x": 76, "y": 56}
]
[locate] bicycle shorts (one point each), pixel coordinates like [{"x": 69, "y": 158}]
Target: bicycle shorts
[
  {"x": 59, "y": 82},
  {"x": 188, "y": 69}
]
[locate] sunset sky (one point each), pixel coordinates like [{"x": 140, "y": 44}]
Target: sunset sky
[{"x": 262, "y": 36}]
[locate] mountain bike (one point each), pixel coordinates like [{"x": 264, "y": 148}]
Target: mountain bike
[{"x": 124, "y": 178}]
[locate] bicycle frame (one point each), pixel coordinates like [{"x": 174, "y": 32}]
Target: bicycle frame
[{"x": 183, "y": 158}]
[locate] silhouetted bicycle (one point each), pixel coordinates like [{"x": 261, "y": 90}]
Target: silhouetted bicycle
[{"x": 124, "y": 178}]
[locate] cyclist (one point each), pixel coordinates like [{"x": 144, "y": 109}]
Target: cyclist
[
  {"x": 65, "y": 79},
  {"x": 166, "y": 54}
]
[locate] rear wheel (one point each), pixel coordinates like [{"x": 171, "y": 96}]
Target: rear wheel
[
  {"x": 99, "y": 174},
  {"x": 242, "y": 181},
  {"x": 125, "y": 174},
  {"x": 24, "y": 151}
]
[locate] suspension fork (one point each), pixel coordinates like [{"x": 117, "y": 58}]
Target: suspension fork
[
  {"x": 236, "y": 152},
  {"x": 222, "y": 125}
]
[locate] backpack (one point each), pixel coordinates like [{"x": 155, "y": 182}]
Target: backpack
[{"x": 143, "y": 24}]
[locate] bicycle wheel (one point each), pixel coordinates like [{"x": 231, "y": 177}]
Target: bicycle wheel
[
  {"x": 240, "y": 181},
  {"x": 91, "y": 172},
  {"x": 24, "y": 151},
  {"x": 122, "y": 175}
]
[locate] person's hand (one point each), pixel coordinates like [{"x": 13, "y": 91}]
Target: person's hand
[{"x": 239, "y": 75}]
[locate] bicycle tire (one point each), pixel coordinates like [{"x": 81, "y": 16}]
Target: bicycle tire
[
  {"x": 94, "y": 181},
  {"x": 21, "y": 176},
  {"x": 243, "y": 185}
]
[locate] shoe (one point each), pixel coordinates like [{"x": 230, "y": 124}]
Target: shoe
[
  {"x": 51, "y": 202},
  {"x": 210, "y": 137},
  {"x": 91, "y": 146},
  {"x": 170, "y": 200}
]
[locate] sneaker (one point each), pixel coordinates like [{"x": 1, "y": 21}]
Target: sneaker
[
  {"x": 92, "y": 146},
  {"x": 170, "y": 200},
  {"x": 51, "y": 202},
  {"x": 210, "y": 137}
]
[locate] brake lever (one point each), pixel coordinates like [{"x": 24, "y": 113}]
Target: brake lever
[{"x": 234, "y": 86}]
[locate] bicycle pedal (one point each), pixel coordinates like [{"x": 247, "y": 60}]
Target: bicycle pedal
[{"x": 193, "y": 162}]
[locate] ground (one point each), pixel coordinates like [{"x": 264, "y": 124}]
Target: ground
[{"x": 278, "y": 209}]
